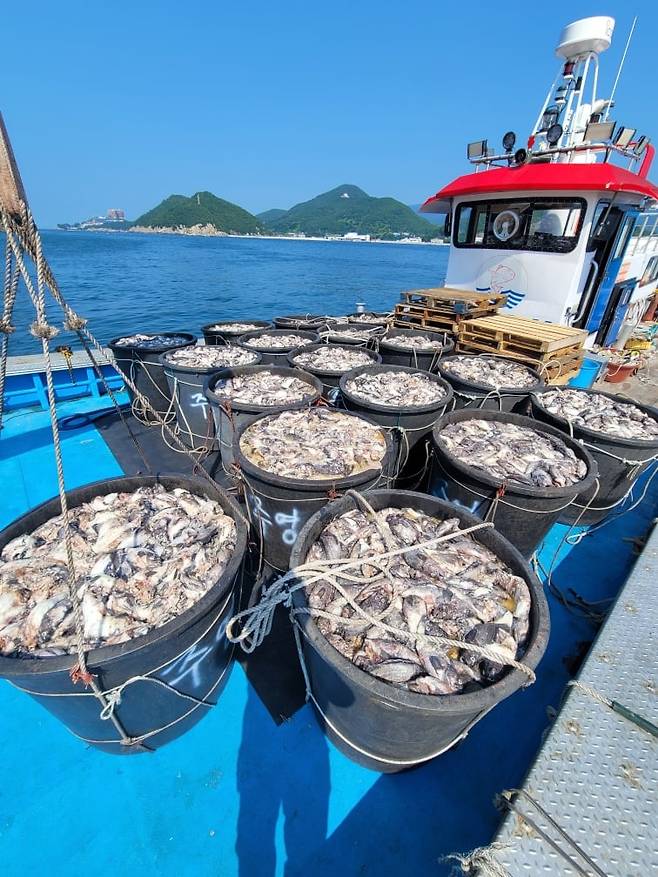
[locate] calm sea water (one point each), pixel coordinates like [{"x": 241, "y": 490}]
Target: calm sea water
[{"x": 126, "y": 283}]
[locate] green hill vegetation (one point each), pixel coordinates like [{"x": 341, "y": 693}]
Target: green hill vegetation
[
  {"x": 348, "y": 209},
  {"x": 202, "y": 208},
  {"x": 270, "y": 215}
]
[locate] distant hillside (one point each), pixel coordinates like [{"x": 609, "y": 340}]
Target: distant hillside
[
  {"x": 202, "y": 208},
  {"x": 270, "y": 215},
  {"x": 434, "y": 218},
  {"x": 349, "y": 209}
]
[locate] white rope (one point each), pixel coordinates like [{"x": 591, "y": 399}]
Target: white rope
[
  {"x": 481, "y": 861},
  {"x": 256, "y": 621},
  {"x": 496, "y": 499},
  {"x": 402, "y": 763},
  {"x": 591, "y": 692}
]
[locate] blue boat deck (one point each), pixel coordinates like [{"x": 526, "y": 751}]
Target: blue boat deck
[{"x": 242, "y": 793}]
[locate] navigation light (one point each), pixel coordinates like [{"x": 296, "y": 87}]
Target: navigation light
[{"x": 508, "y": 141}]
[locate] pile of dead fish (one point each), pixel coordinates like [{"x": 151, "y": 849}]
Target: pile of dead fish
[
  {"x": 490, "y": 371},
  {"x": 206, "y": 357},
  {"x": 147, "y": 341},
  {"x": 329, "y": 358},
  {"x": 264, "y": 388},
  {"x": 276, "y": 342},
  {"x": 509, "y": 452},
  {"x": 141, "y": 560},
  {"x": 234, "y": 328},
  {"x": 304, "y": 322},
  {"x": 358, "y": 333},
  {"x": 368, "y": 319},
  {"x": 404, "y": 389},
  {"x": 314, "y": 444},
  {"x": 601, "y": 414},
  {"x": 457, "y": 589},
  {"x": 416, "y": 342}
]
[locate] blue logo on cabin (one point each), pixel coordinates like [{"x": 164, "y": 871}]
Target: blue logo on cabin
[{"x": 513, "y": 298}]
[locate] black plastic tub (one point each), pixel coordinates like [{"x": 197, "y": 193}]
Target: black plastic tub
[
  {"x": 144, "y": 368},
  {"x": 189, "y": 654},
  {"x": 280, "y": 355},
  {"x": 369, "y": 337},
  {"x": 408, "y": 425},
  {"x": 383, "y": 726},
  {"x": 213, "y": 337},
  {"x": 423, "y": 358},
  {"x": 330, "y": 379},
  {"x": 196, "y": 426},
  {"x": 522, "y": 514},
  {"x": 620, "y": 461},
  {"x": 310, "y": 322},
  {"x": 468, "y": 394},
  {"x": 279, "y": 507},
  {"x": 231, "y": 417}
]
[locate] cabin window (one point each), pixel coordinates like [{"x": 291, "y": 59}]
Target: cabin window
[
  {"x": 601, "y": 222},
  {"x": 650, "y": 272},
  {"x": 549, "y": 225}
]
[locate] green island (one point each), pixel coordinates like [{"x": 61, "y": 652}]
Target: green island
[{"x": 346, "y": 212}]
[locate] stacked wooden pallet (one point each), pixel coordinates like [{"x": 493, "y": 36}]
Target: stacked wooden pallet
[
  {"x": 557, "y": 351},
  {"x": 441, "y": 309}
]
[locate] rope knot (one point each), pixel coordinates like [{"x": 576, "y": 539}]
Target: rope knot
[
  {"x": 43, "y": 330},
  {"x": 500, "y": 493},
  {"x": 5, "y": 326},
  {"x": 75, "y": 322},
  {"x": 112, "y": 700}
]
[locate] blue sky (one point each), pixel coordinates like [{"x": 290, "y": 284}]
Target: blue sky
[{"x": 119, "y": 104}]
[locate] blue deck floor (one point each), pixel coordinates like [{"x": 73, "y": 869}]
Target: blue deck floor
[{"x": 241, "y": 795}]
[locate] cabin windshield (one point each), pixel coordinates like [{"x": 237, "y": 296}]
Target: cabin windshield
[{"x": 547, "y": 225}]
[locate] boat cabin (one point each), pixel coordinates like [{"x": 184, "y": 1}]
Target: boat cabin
[{"x": 560, "y": 226}]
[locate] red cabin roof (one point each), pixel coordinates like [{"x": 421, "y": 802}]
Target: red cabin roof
[{"x": 543, "y": 177}]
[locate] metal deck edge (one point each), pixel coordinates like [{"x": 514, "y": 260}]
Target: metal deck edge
[{"x": 596, "y": 774}]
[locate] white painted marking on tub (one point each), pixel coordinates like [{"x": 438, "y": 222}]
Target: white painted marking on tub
[
  {"x": 289, "y": 535},
  {"x": 200, "y": 401},
  {"x": 261, "y": 513},
  {"x": 190, "y": 663}
]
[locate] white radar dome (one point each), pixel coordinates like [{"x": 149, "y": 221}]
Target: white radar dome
[{"x": 586, "y": 35}]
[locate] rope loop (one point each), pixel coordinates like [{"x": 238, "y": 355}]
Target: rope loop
[
  {"x": 112, "y": 700},
  {"x": 5, "y": 326}
]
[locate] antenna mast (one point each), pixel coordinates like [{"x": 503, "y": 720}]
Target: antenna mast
[{"x": 621, "y": 65}]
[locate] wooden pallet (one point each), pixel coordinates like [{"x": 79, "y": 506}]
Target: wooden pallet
[
  {"x": 460, "y": 302},
  {"x": 410, "y": 316},
  {"x": 521, "y": 333},
  {"x": 484, "y": 344}
]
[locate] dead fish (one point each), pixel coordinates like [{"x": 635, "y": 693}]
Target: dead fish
[
  {"x": 509, "y": 452},
  {"x": 332, "y": 358},
  {"x": 490, "y": 371},
  {"x": 234, "y": 328},
  {"x": 268, "y": 341},
  {"x": 457, "y": 590},
  {"x": 147, "y": 341},
  {"x": 141, "y": 559},
  {"x": 601, "y": 413},
  {"x": 315, "y": 443},
  {"x": 418, "y": 341},
  {"x": 209, "y": 356},
  {"x": 395, "y": 388},
  {"x": 264, "y": 388}
]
